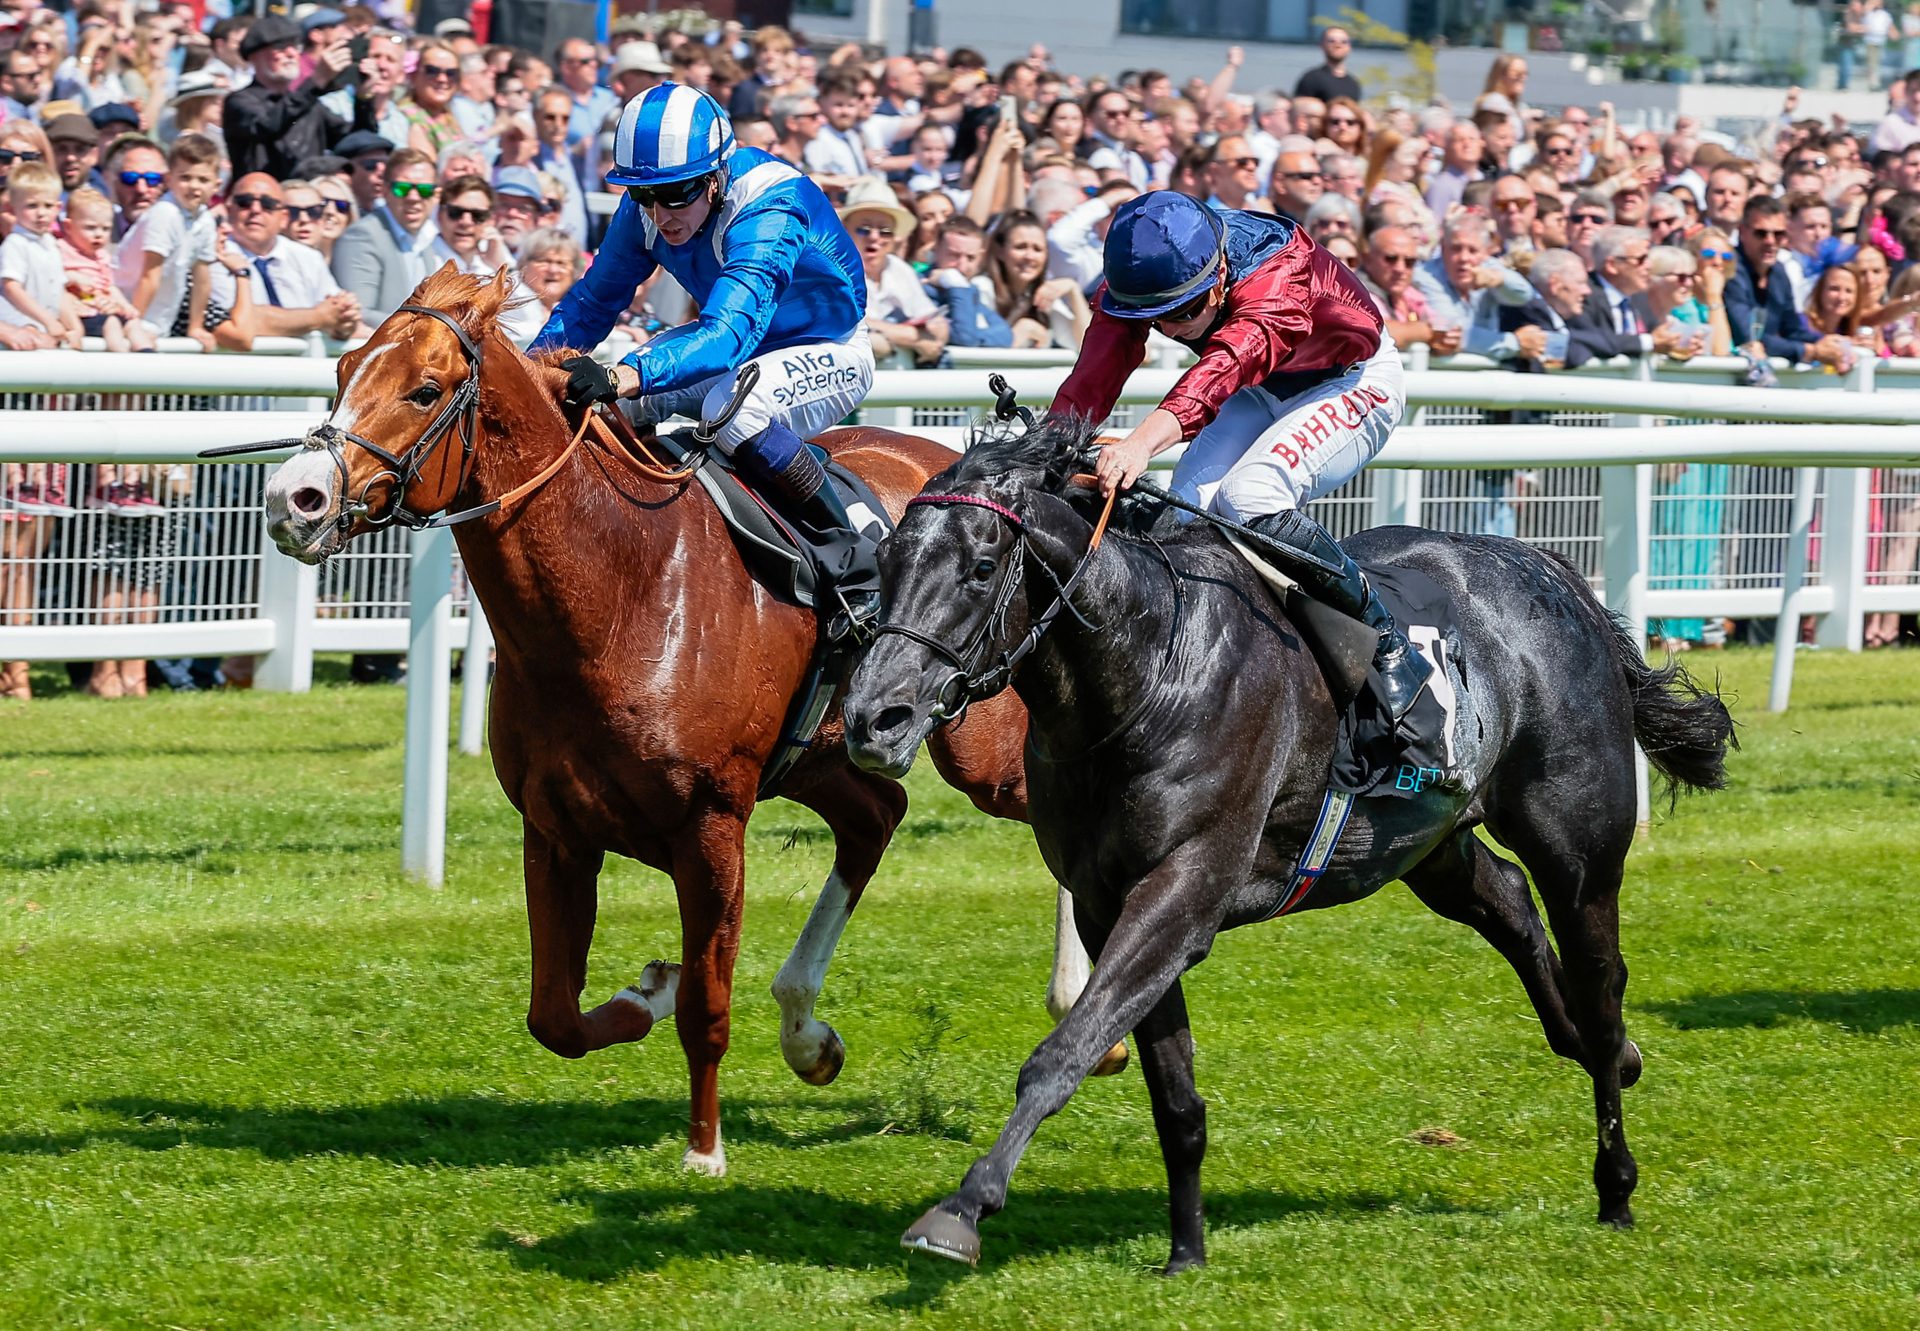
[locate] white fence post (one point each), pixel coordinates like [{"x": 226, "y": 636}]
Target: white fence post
[
  {"x": 476, "y": 675},
  {"x": 1843, "y": 557},
  {"x": 423, "y": 830},
  {"x": 289, "y": 596},
  {"x": 1397, "y": 494},
  {"x": 1786, "y": 634},
  {"x": 1626, "y": 521},
  {"x": 1843, "y": 542}
]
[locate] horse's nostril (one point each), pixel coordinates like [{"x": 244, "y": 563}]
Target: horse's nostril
[
  {"x": 891, "y": 719},
  {"x": 309, "y": 501}
]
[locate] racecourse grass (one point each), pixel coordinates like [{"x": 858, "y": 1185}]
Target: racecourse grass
[{"x": 253, "y": 1077}]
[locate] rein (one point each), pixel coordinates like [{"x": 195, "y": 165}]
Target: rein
[
  {"x": 462, "y": 412},
  {"x": 974, "y": 676}
]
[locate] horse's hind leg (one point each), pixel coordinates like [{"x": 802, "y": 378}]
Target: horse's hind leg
[
  {"x": 1464, "y": 880},
  {"x": 1577, "y": 870},
  {"x": 862, "y": 811},
  {"x": 1072, "y": 968},
  {"x": 709, "y": 880},
  {"x": 1180, "y": 1121}
]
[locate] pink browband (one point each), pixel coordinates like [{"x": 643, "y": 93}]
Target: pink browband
[{"x": 971, "y": 501}]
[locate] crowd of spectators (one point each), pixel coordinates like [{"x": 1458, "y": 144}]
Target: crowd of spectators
[{"x": 296, "y": 175}]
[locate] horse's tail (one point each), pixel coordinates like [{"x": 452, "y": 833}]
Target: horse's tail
[{"x": 1685, "y": 729}]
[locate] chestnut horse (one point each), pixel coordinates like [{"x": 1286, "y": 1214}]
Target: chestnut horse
[{"x": 643, "y": 676}]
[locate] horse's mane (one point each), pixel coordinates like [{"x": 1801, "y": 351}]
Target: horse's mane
[
  {"x": 1051, "y": 446},
  {"x": 475, "y": 302}
]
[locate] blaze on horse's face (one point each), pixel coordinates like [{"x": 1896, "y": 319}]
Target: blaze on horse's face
[
  {"x": 954, "y": 574},
  {"x": 391, "y": 391}
]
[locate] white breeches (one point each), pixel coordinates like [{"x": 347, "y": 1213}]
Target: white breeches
[
  {"x": 1264, "y": 454},
  {"x": 808, "y": 388}
]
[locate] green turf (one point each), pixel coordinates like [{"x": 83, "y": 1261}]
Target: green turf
[{"x": 252, "y": 1077}]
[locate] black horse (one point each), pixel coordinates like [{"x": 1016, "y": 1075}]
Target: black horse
[{"x": 1179, "y": 751}]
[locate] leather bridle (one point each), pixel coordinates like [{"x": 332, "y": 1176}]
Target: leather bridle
[
  {"x": 978, "y": 672},
  {"x": 461, "y": 411}
]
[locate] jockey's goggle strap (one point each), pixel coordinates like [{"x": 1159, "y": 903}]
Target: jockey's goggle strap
[{"x": 673, "y": 194}]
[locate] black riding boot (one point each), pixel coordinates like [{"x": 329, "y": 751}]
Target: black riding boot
[
  {"x": 792, "y": 472},
  {"x": 1328, "y": 574}
]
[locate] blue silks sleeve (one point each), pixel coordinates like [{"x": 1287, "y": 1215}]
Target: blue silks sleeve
[
  {"x": 762, "y": 246},
  {"x": 586, "y": 314}
]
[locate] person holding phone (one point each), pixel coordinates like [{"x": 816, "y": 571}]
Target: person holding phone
[
  {"x": 777, "y": 279},
  {"x": 277, "y": 121}
]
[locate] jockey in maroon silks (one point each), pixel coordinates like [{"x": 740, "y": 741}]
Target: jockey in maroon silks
[{"x": 1296, "y": 389}]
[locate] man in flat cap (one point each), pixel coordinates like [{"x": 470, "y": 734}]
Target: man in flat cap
[{"x": 277, "y": 120}]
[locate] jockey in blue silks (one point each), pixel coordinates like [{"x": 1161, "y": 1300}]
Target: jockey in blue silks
[{"x": 778, "y": 282}]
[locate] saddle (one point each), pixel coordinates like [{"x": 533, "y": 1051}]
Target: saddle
[
  {"x": 788, "y": 559},
  {"x": 1372, "y": 755},
  {"x": 794, "y": 563}
]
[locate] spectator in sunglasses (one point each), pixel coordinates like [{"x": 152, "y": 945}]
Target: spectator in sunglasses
[
  {"x": 382, "y": 80},
  {"x": 1759, "y": 297},
  {"x": 1233, "y": 176},
  {"x": 1591, "y": 211},
  {"x": 517, "y": 203},
  {"x": 381, "y": 258},
  {"x": 136, "y": 174},
  {"x": 306, "y": 215},
  {"x": 366, "y": 154},
  {"x": 22, "y": 85},
  {"x": 1297, "y": 183},
  {"x": 1330, "y": 79},
  {"x": 278, "y": 120},
  {"x": 468, "y": 237},
  {"x": 553, "y": 112},
  {"x": 341, "y": 212},
  {"x": 428, "y": 106},
  {"x": 293, "y": 292}
]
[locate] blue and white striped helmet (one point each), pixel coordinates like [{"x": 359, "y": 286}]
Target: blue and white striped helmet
[{"x": 669, "y": 132}]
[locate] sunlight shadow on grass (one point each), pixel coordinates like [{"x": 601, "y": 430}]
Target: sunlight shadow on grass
[
  {"x": 456, "y": 1131},
  {"x": 644, "y": 1229},
  {"x": 1867, "y": 1011},
  {"x": 215, "y": 855}
]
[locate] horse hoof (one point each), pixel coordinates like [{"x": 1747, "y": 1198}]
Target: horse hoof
[
  {"x": 1620, "y": 1217},
  {"x": 833, "y": 1057},
  {"x": 1177, "y": 1265},
  {"x": 1112, "y": 1062},
  {"x": 944, "y": 1234},
  {"x": 1631, "y": 1065},
  {"x": 711, "y": 1163}
]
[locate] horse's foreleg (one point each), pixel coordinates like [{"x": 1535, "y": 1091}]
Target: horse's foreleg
[
  {"x": 1071, "y": 970},
  {"x": 708, "y": 878},
  {"x": 562, "y": 899},
  {"x": 1166, "y": 925},
  {"x": 861, "y": 810}
]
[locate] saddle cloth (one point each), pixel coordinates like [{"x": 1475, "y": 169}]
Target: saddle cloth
[
  {"x": 1373, "y": 756},
  {"x": 794, "y": 562},
  {"x": 781, "y": 553}
]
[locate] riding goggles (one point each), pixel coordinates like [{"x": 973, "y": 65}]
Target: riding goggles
[{"x": 673, "y": 194}]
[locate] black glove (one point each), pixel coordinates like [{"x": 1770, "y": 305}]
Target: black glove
[{"x": 588, "y": 382}]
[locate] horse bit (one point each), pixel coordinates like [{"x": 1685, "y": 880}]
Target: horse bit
[
  {"x": 461, "y": 410},
  {"x": 973, "y": 676}
]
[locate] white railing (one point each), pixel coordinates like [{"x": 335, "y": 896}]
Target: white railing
[{"x": 1754, "y": 534}]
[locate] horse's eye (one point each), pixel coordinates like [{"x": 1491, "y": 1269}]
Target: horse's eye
[
  {"x": 984, "y": 569},
  {"x": 425, "y": 395}
]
